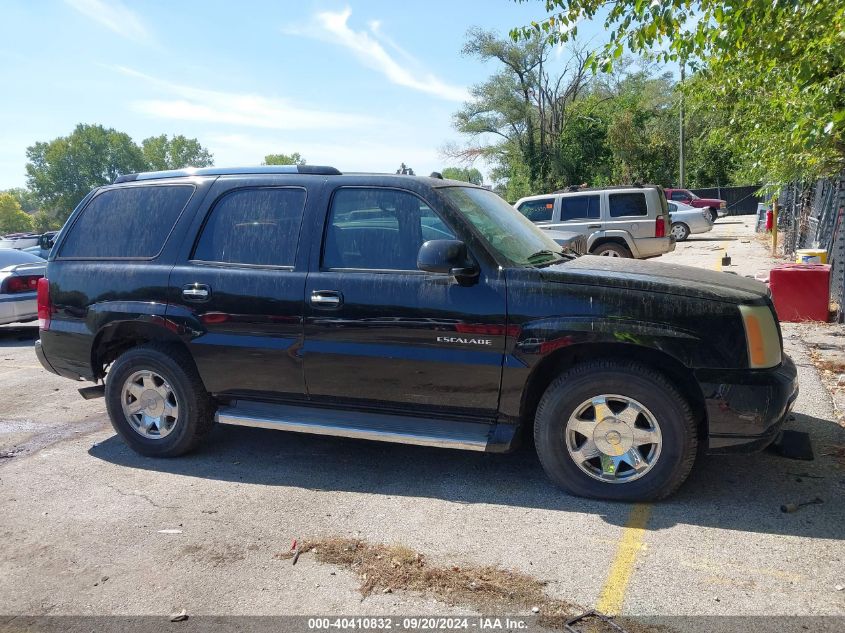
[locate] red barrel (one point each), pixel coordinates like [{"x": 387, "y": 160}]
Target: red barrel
[
  {"x": 769, "y": 220},
  {"x": 801, "y": 292}
]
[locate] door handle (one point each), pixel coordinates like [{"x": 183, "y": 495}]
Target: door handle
[
  {"x": 196, "y": 292},
  {"x": 326, "y": 298},
  {"x": 594, "y": 226}
]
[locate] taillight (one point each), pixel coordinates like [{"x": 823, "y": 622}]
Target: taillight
[
  {"x": 660, "y": 227},
  {"x": 45, "y": 308},
  {"x": 26, "y": 283}
]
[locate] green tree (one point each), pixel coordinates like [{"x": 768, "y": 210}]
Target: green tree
[
  {"x": 284, "y": 159},
  {"x": 43, "y": 222},
  {"x": 13, "y": 219},
  {"x": 642, "y": 125},
  {"x": 62, "y": 171},
  {"x": 465, "y": 174},
  {"x": 25, "y": 198},
  {"x": 521, "y": 112},
  {"x": 777, "y": 69},
  {"x": 177, "y": 152}
]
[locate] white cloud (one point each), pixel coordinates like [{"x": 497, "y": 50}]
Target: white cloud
[
  {"x": 115, "y": 17},
  {"x": 187, "y": 103},
  {"x": 368, "y": 48}
]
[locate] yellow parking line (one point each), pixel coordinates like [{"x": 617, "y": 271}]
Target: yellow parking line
[{"x": 613, "y": 594}]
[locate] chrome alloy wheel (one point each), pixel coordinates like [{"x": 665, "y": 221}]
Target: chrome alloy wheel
[
  {"x": 149, "y": 404},
  {"x": 610, "y": 254},
  {"x": 613, "y": 438}
]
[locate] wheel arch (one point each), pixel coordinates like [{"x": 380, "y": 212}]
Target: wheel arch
[
  {"x": 116, "y": 337},
  {"x": 617, "y": 237},
  {"x": 561, "y": 360}
]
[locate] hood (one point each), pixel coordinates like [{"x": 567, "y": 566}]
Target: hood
[{"x": 636, "y": 274}]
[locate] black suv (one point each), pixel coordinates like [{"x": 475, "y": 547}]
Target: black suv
[{"x": 404, "y": 309}]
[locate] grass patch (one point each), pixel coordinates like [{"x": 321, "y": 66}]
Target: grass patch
[{"x": 487, "y": 589}]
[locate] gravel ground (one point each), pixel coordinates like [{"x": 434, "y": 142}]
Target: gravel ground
[{"x": 78, "y": 507}]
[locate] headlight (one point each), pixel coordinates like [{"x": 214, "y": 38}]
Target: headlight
[
  {"x": 722, "y": 205},
  {"x": 761, "y": 336}
]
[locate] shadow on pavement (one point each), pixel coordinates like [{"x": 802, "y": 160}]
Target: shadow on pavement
[
  {"x": 729, "y": 492},
  {"x": 18, "y": 335}
]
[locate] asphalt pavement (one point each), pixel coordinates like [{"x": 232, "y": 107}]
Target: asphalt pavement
[{"x": 82, "y": 515}]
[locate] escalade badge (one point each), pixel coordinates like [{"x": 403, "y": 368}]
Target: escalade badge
[{"x": 464, "y": 341}]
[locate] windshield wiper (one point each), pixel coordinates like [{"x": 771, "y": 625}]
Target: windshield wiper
[{"x": 541, "y": 257}]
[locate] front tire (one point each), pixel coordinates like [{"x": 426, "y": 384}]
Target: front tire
[
  {"x": 615, "y": 430},
  {"x": 157, "y": 402}
]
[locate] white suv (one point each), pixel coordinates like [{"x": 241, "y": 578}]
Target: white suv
[{"x": 631, "y": 221}]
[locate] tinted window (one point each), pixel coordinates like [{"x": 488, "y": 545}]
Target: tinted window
[
  {"x": 580, "y": 207},
  {"x": 127, "y": 222},
  {"x": 379, "y": 229},
  {"x": 627, "y": 204},
  {"x": 680, "y": 195},
  {"x": 538, "y": 210},
  {"x": 254, "y": 226}
]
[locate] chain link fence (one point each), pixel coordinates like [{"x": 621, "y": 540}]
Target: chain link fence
[{"x": 812, "y": 215}]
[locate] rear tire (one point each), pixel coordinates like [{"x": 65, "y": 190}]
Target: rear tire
[
  {"x": 680, "y": 231},
  {"x": 656, "y": 430},
  {"x": 157, "y": 402},
  {"x": 612, "y": 249}
]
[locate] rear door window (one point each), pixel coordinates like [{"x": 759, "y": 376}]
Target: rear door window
[
  {"x": 580, "y": 208},
  {"x": 623, "y": 205},
  {"x": 127, "y": 223},
  {"x": 538, "y": 210},
  {"x": 253, "y": 227},
  {"x": 379, "y": 229}
]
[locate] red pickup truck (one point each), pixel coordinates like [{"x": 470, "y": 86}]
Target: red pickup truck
[{"x": 686, "y": 196}]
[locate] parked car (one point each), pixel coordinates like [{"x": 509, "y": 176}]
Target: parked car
[
  {"x": 687, "y": 219},
  {"x": 574, "y": 242},
  {"x": 717, "y": 207},
  {"x": 402, "y": 309},
  {"x": 19, "y": 275},
  {"x": 617, "y": 221},
  {"x": 20, "y": 241},
  {"x": 45, "y": 244}
]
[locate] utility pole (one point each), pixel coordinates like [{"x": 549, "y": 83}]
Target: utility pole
[{"x": 681, "y": 165}]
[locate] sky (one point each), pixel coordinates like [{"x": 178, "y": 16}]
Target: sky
[{"x": 359, "y": 85}]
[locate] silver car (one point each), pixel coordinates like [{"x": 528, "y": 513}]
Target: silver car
[
  {"x": 19, "y": 275},
  {"x": 627, "y": 221},
  {"x": 687, "y": 220}
]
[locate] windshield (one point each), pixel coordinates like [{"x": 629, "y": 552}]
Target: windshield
[
  {"x": 693, "y": 196},
  {"x": 507, "y": 231}
]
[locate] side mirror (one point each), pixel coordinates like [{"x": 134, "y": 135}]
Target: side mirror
[{"x": 446, "y": 256}]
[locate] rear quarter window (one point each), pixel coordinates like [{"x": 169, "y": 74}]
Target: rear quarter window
[
  {"x": 130, "y": 222},
  {"x": 624, "y": 205}
]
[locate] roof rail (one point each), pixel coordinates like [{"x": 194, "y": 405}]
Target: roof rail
[{"x": 316, "y": 170}]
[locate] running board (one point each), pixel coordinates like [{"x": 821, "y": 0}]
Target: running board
[{"x": 470, "y": 436}]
